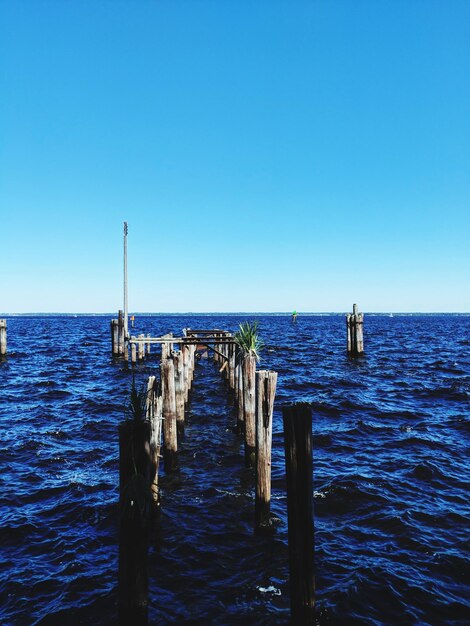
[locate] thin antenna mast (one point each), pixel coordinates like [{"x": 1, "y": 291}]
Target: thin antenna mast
[{"x": 126, "y": 334}]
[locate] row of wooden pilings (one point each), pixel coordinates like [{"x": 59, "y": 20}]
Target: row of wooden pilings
[
  {"x": 140, "y": 446},
  {"x": 253, "y": 394},
  {"x": 161, "y": 411}
]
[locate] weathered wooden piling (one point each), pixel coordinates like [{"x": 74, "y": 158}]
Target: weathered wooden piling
[
  {"x": 355, "y": 334},
  {"x": 186, "y": 356},
  {"x": 121, "y": 333},
  {"x": 170, "y": 448},
  {"x": 239, "y": 397},
  {"x": 167, "y": 346},
  {"x": 3, "y": 337},
  {"x": 179, "y": 389},
  {"x": 299, "y": 474},
  {"x": 154, "y": 410},
  {"x": 135, "y": 511},
  {"x": 249, "y": 407},
  {"x": 266, "y": 382},
  {"x": 141, "y": 348},
  {"x": 192, "y": 363},
  {"x": 232, "y": 366},
  {"x": 133, "y": 353},
  {"x": 114, "y": 337}
]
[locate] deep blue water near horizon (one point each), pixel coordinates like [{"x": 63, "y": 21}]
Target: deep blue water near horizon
[{"x": 391, "y": 476}]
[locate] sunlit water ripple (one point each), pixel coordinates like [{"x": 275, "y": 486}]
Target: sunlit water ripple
[{"x": 391, "y": 479}]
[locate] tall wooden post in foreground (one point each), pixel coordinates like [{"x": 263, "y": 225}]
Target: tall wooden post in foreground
[
  {"x": 3, "y": 337},
  {"x": 265, "y": 391},
  {"x": 135, "y": 501},
  {"x": 299, "y": 474},
  {"x": 355, "y": 335}
]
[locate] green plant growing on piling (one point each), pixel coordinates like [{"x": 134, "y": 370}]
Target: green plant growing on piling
[
  {"x": 248, "y": 341},
  {"x": 137, "y": 407}
]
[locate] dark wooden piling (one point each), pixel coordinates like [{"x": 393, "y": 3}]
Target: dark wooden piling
[
  {"x": 266, "y": 382},
  {"x": 135, "y": 510},
  {"x": 3, "y": 337},
  {"x": 355, "y": 333},
  {"x": 299, "y": 474},
  {"x": 249, "y": 407},
  {"x": 170, "y": 448}
]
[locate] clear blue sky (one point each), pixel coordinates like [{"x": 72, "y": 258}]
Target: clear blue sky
[{"x": 267, "y": 155}]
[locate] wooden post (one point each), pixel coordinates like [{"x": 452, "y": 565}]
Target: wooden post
[
  {"x": 179, "y": 389},
  {"x": 232, "y": 366},
  {"x": 169, "y": 415},
  {"x": 167, "y": 346},
  {"x": 141, "y": 348},
  {"x": 349, "y": 332},
  {"x": 299, "y": 474},
  {"x": 133, "y": 353},
  {"x": 114, "y": 337},
  {"x": 239, "y": 395},
  {"x": 135, "y": 501},
  {"x": 185, "y": 352},
  {"x": 3, "y": 337},
  {"x": 249, "y": 407},
  {"x": 154, "y": 415},
  {"x": 265, "y": 391},
  {"x": 148, "y": 345},
  {"x": 121, "y": 333},
  {"x": 359, "y": 333},
  {"x": 354, "y": 327},
  {"x": 192, "y": 364},
  {"x": 235, "y": 376}
]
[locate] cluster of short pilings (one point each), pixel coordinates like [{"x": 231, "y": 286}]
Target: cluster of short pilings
[
  {"x": 118, "y": 337},
  {"x": 355, "y": 335},
  {"x": 3, "y": 337}
]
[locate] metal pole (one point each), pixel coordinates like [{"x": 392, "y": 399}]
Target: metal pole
[{"x": 126, "y": 333}]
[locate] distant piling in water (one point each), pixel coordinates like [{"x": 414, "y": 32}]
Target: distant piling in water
[
  {"x": 3, "y": 337},
  {"x": 355, "y": 332}
]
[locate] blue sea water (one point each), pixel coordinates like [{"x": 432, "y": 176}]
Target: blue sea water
[{"x": 391, "y": 476}]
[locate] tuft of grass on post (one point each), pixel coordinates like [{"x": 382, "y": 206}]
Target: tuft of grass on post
[
  {"x": 248, "y": 341},
  {"x": 137, "y": 407}
]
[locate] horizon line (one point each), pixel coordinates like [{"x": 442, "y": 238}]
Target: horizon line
[{"x": 287, "y": 313}]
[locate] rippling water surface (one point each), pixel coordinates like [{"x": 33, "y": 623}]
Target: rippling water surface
[{"x": 391, "y": 477}]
